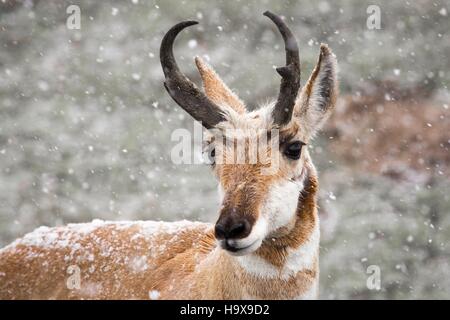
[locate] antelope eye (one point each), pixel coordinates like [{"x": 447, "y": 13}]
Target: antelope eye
[
  {"x": 294, "y": 150},
  {"x": 211, "y": 156}
]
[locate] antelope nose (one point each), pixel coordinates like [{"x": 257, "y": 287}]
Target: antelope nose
[{"x": 232, "y": 228}]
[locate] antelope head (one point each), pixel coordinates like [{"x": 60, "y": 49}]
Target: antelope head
[{"x": 258, "y": 204}]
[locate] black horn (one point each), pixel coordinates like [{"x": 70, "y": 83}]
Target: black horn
[
  {"x": 290, "y": 74},
  {"x": 180, "y": 88}
]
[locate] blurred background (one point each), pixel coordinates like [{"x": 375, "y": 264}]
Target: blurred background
[{"x": 85, "y": 124}]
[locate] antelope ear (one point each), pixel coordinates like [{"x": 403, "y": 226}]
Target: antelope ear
[
  {"x": 216, "y": 90},
  {"x": 318, "y": 97}
]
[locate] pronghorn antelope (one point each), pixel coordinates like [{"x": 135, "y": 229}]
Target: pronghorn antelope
[{"x": 265, "y": 243}]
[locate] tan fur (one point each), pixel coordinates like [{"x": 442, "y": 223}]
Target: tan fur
[
  {"x": 216, "y": 90},
  {"x": 34, "y": 272}
]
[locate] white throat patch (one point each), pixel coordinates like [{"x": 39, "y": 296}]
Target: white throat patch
[
  {"x": 280, "y": 209},
  {"x": 280, "y": 206},
  {"x": 298, "y": 259}
]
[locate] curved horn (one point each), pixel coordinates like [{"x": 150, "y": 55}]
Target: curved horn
[
  {"x": 290, "y": 74},
  {"x": 180, "y": 88}
]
